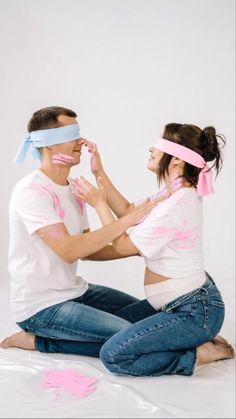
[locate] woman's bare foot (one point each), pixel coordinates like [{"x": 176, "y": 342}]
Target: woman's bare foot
[
  {"x": 20, "y": 340},
  {"x": 215, "y": 350}
]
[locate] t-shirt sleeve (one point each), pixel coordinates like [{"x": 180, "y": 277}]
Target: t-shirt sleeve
[
  {"x": 152, "y": 234},
  {"x": 36, "y": 209}
]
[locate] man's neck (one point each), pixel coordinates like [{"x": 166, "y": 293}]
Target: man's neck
[{"x": 57, "y": 174}]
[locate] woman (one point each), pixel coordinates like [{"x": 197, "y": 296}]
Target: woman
[{"x": 175, "y": 328}]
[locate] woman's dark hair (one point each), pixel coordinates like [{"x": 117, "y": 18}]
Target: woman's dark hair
[
  {"x": 47, "y": 118},
  {"x": 204, "y": 142}
]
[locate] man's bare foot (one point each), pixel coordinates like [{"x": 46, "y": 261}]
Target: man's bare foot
[
  {"x": 20, "y": 340},
  {"x": 215, "y": 350}
]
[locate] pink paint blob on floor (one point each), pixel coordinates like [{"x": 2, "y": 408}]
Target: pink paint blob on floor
[{"x": 69, "y": 380}]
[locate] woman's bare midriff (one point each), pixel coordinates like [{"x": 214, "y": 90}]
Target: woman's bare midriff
[{"x": 152, "y": 278}]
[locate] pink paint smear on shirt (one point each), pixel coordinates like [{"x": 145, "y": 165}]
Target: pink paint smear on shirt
[
  {"x": 52, "y": 231},
  {"x": 184, "y": 239},
  {"x": 61, "y": 158},
  {"x": 46, "y": 189},
  {"x": 69, "y": 380}
]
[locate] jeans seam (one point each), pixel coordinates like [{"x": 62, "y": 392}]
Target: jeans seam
[
  {"x": 112, "y": 354},
  {"x": 68, "y": 331}
]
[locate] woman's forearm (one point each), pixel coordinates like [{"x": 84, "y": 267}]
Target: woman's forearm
[
  {"x": 106, "y": 217},
  {"x": 118, "y": 203}
]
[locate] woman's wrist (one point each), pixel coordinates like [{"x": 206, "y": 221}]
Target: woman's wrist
[
  {"x": 99, "y": 173},
  {"x": 101, "y": 204}
]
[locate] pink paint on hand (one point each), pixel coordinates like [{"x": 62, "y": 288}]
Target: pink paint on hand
[
  {"x": 91, "y": 146},
  {"x": 69, "y": 380},
  {"x": 92, "y": 165}
]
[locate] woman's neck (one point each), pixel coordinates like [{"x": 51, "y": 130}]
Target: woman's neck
[{"x": 171, "y": 185}]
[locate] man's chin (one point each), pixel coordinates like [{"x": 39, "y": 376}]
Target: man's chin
[{"x": 75, "y": 162}]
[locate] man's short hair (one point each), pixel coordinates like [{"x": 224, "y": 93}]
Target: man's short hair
[{"x": 47, "y": 118}]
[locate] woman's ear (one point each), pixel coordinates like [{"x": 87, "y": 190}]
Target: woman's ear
[{"x": 177, "y": 162}]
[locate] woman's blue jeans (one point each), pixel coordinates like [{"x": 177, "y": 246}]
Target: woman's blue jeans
[
  {"x": 166, "y": 341},
  {"x": 82, "y": 325}
]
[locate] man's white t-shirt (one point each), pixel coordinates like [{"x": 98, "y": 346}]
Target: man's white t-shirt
[
  {"x": 170, "y": 240},
  {"x": 40, "y": 278}
]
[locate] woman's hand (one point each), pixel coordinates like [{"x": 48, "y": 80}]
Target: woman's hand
[
  {"x": 95, "y": 160},
  {"x": 140, "y": 212},
  {"x": 83, "y": 189}
]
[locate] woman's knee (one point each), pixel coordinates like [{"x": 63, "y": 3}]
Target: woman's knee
[{"x": 108, "y": 359}]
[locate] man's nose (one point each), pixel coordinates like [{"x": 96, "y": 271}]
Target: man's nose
[{"x": 80, "y": 141}]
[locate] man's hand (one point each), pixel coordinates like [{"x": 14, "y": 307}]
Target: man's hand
[{"x": 88, "y": 192}]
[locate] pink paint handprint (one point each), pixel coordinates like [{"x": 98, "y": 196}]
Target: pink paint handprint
[{"x": 69, "y": 380}]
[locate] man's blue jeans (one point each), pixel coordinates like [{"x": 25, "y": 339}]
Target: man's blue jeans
[
  {"x": 166, "y": 341},
  {"x": 82, "y": 325}
]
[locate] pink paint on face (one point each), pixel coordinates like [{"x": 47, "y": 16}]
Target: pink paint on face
[
  {"x": 69, "y": 380},
  {"x": 47, "y": 189},
  {"x": 61, "y": 158}
]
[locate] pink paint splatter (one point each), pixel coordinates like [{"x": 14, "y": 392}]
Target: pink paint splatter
[
  {"x": 61, "y": 158},
  {"x": 53, "y": 231},
  {"x": 92, "y": 147},
  {"x": 69, "y": 380},
  {"x": 184, "y": 239},
  {"x": 47, "y": 189}
]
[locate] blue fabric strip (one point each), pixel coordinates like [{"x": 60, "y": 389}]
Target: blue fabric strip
[{"x": 46, "y": 137}]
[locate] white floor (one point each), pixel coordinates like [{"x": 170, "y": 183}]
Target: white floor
[{"x": 210, "y": 393}]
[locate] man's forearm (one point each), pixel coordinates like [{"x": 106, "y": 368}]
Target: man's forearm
[{"x": 79, "y": 247}]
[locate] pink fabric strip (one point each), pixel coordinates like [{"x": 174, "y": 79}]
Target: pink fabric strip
[{"x": 204, "y": 186}]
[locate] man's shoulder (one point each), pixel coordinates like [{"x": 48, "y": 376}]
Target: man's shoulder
[{"x": 23, "y": 184}]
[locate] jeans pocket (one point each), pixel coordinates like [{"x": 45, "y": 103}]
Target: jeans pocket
[{"x": 185, "y": 299}]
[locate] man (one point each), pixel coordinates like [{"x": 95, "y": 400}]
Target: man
[{"x": 57, "y": 310}]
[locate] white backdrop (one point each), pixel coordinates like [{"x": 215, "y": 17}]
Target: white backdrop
[{"x": 127, "y": 67}]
